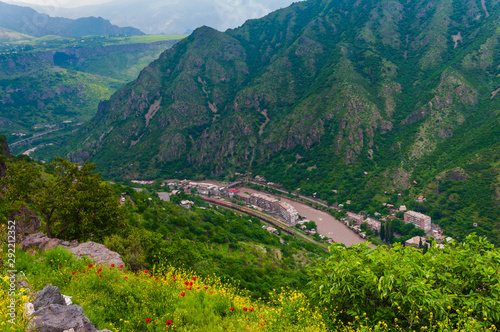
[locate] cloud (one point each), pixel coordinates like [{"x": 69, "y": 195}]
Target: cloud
[{"x": 233, "y": 13}]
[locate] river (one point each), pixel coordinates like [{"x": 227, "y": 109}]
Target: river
[{"x": 327, "y": 224}]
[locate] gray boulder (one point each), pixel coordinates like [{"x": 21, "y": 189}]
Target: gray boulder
[
  {"x": 47, "y": 296},
  {"x": 60, "y": 318},
  {"x": 99, "y": 253},
  {"x": 42, "y": 242},
  {"x": 27, "y": 222}
]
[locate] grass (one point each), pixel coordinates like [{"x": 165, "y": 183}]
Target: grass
[
  {"x": 164, "y": 299},
  {"x": 141, "y": 39},
  {"x": 116, "y": 299}
]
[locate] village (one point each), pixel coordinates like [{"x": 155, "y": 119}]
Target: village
[{"x": 288, "y": 214}]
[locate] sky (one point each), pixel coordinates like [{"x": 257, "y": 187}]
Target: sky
[
  {"x": 79, "y": 3},
  {"x": 160, "y": 16},
  {"x": 61, "y": 3}
]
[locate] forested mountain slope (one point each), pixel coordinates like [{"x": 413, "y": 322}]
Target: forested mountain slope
[{"x": 367, "y": 98}]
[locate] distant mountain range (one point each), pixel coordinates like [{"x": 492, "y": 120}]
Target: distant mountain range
[
  {"x": 172, "y": 16},
  {"x": 347, "y": 100},
  {"x": 30, "y": 22}
]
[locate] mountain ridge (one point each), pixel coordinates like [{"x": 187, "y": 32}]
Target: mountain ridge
[
  {"x": 314, "y": 96},
  {"x": 28, "y": 21}
]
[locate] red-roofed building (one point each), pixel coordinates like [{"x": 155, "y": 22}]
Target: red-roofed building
[{"x": 233, "y": 192}]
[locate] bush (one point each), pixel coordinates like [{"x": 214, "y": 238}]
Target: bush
[{"x": 405, "y": 288}]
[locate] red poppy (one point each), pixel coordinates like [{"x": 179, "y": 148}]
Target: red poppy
[
  {"x": 121, "y": 266},
  {"x": 148, "y": 320},
  {"x": 156, "y": 278},
  {"x": 211, "y": 292},
  {"x": 191, "y": 283},
  {"x": 251, "y": 309},
  {"x": 151, "y": 276},
  {"x": 194, "y": 278},
  {"x": 183, "y": 294},
  {"x": 100, "y": 276},
  {"x": 145, "y": 271},
  {"x": 168, "y": 322},
  {"x": 165, "y": 278},
  {"x": 99, "y": 270},
  {"x": 90, "y": 265},
  {"x": 206, "y": 287},
  {"x": 231, "y": 309},
  {"x": 73, "y": 272},
  {"x": 244, "y": 308},
  {"x": 83, "y": 271},
  {"x": 79, "y": 254},
  {"x": 76, "y": 279},
  {"x": 60, "y": 267},
  {"x": 126, "y": 278},
  {"x": 186, "y": 283},
  {"x": 112, "y": 265},
  {"x": 197, "y": 287},
  {"x": 189, "y": 288}
]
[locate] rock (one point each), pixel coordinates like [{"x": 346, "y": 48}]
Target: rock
[
  {"x": 47, "y": 296},
  {"x": 99, "y": 253},
  {"x": 29, "y": 310},
  {"x": 42, "y": 242},
  {"x": 60, "y": 318},
  {"x": 22, "y": 284},
  {"x": 27, "y": 222}
]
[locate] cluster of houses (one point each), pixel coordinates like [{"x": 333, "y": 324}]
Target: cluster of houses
[
  {"x": 420, "y": 220},
  {"x": 273, "y": 206},
  {"x": 419, "y": 242},
  {"x": 260, "y": 201}
]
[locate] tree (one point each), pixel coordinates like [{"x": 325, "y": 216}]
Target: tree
[{"x": 73, "y": 200}]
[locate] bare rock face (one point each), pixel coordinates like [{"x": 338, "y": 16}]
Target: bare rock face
[
  {"x": 47, "y": 296},
  {"x": 60, "y": 318},
  {"x": 27, "y": 222},
  {"x": 99, "y": 253},
  {"x": 42, "y": 242}
]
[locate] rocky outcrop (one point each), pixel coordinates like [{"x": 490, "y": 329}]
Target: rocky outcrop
[
  {"x": 99, "y": 253},
  {"x": 60, "y": 318},
  {"x": 53, "y": 315},
  {"x": 27, "y": 222},
  {"x": 42, "y": 242},
  {"x": 48, "y": 295}
]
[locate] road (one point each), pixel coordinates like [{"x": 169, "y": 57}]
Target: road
[{"x": 296, "y": 232}]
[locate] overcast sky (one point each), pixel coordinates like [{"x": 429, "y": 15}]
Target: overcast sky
[
  {"x": 61, "y": 3},
  {"x": 161, "y": 16},
  {"x": 78, "y": 3}
]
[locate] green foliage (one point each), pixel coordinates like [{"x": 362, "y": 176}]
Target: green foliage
[
  {"x": 72, "y": 199},
  {"x": 115, "y": 298},
  {"x": 407, "y": 287}
]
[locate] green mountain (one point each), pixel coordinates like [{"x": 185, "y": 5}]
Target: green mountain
[
  {"x": 51, "y": 85},
  {"x": 350, "y": 100},
  {"x": 29, "y": 21},
  {"x": 7, "y": 35}
]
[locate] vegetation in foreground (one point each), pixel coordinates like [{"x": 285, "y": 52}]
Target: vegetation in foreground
[
  {"x": 354, "y": 289},
  {"x": 165, "y": 298}
]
